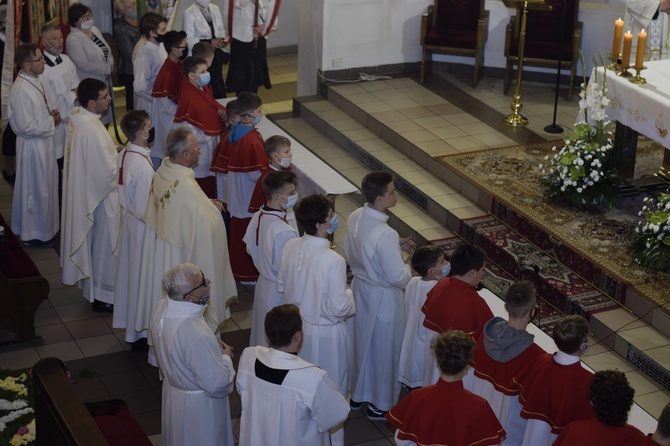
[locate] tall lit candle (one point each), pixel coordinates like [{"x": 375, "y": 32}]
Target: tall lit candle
[
  {"x": 641, "y": 45},
  {"x": 627, "y": 44},
  {"x": 616, "y": 43}
]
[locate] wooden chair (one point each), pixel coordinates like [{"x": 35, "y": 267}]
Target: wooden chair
[
  {"x": 543, "y": 31},
  {"x": 455, "y": 27}
]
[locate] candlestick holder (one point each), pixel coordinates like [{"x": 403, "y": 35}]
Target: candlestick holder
[
  {"x": 624, "y": 72},
  {"x": 615, "y": 65},
  {"x": 637, "y": 79}
]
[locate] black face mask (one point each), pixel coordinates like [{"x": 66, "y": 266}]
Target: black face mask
[
  {"x": 152, "y": 135},
  {"x": 160, "y": 38},
  {"x": 533, "y": 312},
  {"x": 184, "y": 55}
]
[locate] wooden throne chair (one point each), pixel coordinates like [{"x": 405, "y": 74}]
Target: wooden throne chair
[
  {"x": 457, "y": 28},
  {"x": 542, "y": 46}
]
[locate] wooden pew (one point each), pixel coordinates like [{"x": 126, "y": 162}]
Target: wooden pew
[
  {"x": 62, "y": 419},
  {"x": 22, "y": 290}
]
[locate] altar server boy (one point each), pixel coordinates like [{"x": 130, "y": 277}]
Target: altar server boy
[
  {"x": 429, "y": 262},
  {"x": 266, "y": 237},
  {"x": 554, "y": 387},
  {"x": 314, "y": 277},
  {"x": 445, "y": 413}
]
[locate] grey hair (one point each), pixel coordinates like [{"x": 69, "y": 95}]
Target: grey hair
[
  {"x": 178, "y": 280},
  {"x": 177, "y": 142},
  {"x": 49, "y": 27}
]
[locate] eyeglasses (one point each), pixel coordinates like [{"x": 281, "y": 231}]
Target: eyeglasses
[
  {"x": 183, "y": 47},
  {"x": 203, "y": 284},
  {"x": 103, "y": 98},
  {"x": 36, "y": 60}
]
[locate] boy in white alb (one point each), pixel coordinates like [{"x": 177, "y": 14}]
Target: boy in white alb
[
  {"x": 429, "y": 262},
  {"x": 314, "y": 277},
  {"x": 286, "y": 401},
  {"x": 266, "y": 236}
]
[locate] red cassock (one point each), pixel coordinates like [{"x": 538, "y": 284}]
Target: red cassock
[
  {"x": 246, "y": 155},
  {"x": 554, "y": 393},
  {"x": 455, "y": 305},
  {"x": 200, "y": 109},
  {"x": 258, "y": 197},
  {"x": 445, "y": 414},
  {"x": 593, "y": 432},
  {"x": 501, "y": 374},
  {"x": 168, "y": 81}
]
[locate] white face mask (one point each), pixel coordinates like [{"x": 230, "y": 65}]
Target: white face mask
[
  {"x": 285, "y": 162},
  {"x": 88, "y": 24},
  {"x": 203, "y": 3}
]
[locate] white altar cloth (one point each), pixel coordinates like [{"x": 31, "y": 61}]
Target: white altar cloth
[{"x": 645, "y": 108}]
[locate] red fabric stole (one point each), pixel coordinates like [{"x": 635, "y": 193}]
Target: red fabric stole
[
  {"x": 168, "y": 81},
  {"x": 246, "y": 155},
  {"x": 500, "y": 374},
  {"x": 200, "y": 109},
  {"x": 258, "y": 196}
]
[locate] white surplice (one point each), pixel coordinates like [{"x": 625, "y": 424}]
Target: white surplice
[
  {"x": 314, "y": 278},
  {"x": 162, "y": 117},
  {"x": 197, "y": 377},
  {"x": 146, "y": 65},
  {"x": 135, "y": 164},
  {"x": 35, "y": 202},
  {"x": 416, "y": 342},
  {"x": 62, "y": 79},
  {"x": 91, "y": 211},
  {"x": 298, "y": 412},
  {"x": 380, "y": 275},
  {"x": 183, "y": 225},
  {"x": 266, "y": 236}
]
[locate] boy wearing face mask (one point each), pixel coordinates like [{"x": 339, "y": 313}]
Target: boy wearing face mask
[
  {"x": 429, "y": 262},
  {"x": 203, "y": 115},
  {"x": 238, "y": 162},
  {"x": 266, "y": 236},
  {"x": 278, "y": 150},
  {"x": 314, "y": 277},
  {"x": 166, "y": 91},
  {"x": 149, "y": 59},
  {"x": 503, "y": 349}
]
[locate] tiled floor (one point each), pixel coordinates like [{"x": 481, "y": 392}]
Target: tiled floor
[{"x": 467, "y": 119}]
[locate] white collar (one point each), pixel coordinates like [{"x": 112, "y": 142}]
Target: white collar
[
  {"x": 183, "y": 309},
  {"x": 375, "y": 213},
  {"x": 565, "y": 359},
  {"x": 314, "y": 240},
  {"x": 277, "y": 359},
  {"x": 139, "y": 149}
]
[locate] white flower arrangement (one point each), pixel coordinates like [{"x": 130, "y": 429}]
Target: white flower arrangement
[
  {"x": 582, "y": 171},
  {"x": 11, "y": 416},
  {"x": 651, "y": 240}
]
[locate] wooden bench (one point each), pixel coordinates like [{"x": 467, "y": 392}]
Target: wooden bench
[
  {"x": 22, "y": 290},
  {"x": 62, "y": 419}
]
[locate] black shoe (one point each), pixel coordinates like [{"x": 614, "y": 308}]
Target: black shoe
[
  {"x": 140, "y": 345},
  {"x": 10, "y": 179},
  {"x": 34, "y": 243},
  {"x": 375, "y": 414},
  {"x": 102, "y": 307},
  {"x": 355, "y": 405}
]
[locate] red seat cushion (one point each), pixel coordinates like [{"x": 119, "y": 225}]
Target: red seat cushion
[
  {"x": 450, "y": 38},
  {"x": 119, "y": 427}
]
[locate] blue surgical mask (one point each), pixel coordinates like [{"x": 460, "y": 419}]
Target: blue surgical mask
[
  {"x": 292, "y": 200},
  {"x": 446, "y": 269},
  {"x": 333, "y": 224},
  {"x": 257, "y": 119},
  {"x": 202, "y": 300},
  {"x": 131, "y": 14},
  {"x": 204, "y": 79}
]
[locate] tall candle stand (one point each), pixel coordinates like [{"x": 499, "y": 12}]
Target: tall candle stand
[
  {"x": 637, "y": 79},
  {"x": 516, "y": 119},
  {"x": 624, "y": 73}
]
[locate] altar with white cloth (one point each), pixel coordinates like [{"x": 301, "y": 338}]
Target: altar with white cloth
[
  {"x": 638, "y": 417},
  {"x": 639, "y": 108},
  {"x": 314, "y": 176}
]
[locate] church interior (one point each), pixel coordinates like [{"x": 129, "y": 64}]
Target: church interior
[{"x": 458, "y": 167}]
